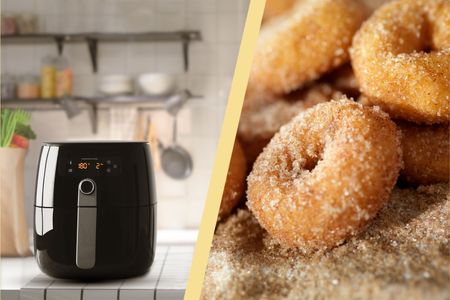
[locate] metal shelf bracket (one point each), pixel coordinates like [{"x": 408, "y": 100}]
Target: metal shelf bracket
[
  {"x": 185, "y": 45},
  {"x": 93, "y": 52},
  {"x": 59, "y": 44}
]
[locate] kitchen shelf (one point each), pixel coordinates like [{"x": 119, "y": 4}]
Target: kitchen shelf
[
  {"x": 91, "y": 104},
  {"x": 83, "y": 102},
  {"x": 185, "y": 37}
]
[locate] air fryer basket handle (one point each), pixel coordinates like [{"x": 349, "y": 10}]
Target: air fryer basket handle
[{"x": 86, "y": 224}]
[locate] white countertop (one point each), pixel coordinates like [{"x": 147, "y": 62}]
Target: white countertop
[{"x": 22, "y": 279}]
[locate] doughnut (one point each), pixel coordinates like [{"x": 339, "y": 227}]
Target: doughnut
[
  {"x": 234, "y": 187},
  {"x": 425, "y": 153},
  {"x": 401, "y": 58},
  {"x": 325, "y": 174},
  {"x": 262, "y": 117},
  {"x": 307, "y": 41},
  {"x": 275, "y": 8}
]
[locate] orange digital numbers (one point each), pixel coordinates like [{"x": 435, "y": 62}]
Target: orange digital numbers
[
  {"x": 83, "y": 165},
  {"x": 98, "y": 165}
]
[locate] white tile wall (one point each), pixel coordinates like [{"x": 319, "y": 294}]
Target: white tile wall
[{"x": 212, "y": 64}]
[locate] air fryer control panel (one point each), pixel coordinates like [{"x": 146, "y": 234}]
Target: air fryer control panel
[{"x": 92, "y": 166}]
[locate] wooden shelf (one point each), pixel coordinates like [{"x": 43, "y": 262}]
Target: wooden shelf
[{"x": 185, "y": 37}]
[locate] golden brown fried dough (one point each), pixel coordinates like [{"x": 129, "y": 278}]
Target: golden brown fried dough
[
  {"x": 235, "y": 184},
  {"x": 425, "y": 153},
  {"x": 275, "y": 8}
]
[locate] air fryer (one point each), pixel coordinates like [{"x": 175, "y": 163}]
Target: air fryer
[{"x": 95, "y": 210}]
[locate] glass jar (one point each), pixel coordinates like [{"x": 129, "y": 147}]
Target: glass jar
[
  {"x": 27, "y": 23},
  {"x": 64, "y": 77},
  {"x": 48, "y": 77},
  {"x": 8, "y": 85},
  {"x": 28, "y": 87},
  {"x": 9, "y": 24}
]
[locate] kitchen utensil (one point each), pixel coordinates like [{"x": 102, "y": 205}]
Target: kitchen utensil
[
  {"x": 157, "y": 84},
  {"x": 175, "y": 160},
  {"x": 116, "y": 85},
  {"x": 175, "y": 102},
  {"x": 152, "y": 138},
  {"x": 95, "y": 210},
  {"x": 70, "y": 107}
]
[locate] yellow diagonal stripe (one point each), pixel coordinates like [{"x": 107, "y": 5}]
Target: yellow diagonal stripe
[{"x": 225, "y": 146}]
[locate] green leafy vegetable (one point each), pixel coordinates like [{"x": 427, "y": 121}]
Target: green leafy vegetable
[
  {"x": 8, "y": 124},
  {"x": 9, "y": 119},
  {"x": 25, "y": 131}
]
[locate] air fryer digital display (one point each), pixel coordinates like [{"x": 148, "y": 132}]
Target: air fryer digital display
[{"x": 93, "y": 166}]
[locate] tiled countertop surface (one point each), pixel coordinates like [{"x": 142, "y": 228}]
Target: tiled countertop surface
[{"x": 21, "y": 278}]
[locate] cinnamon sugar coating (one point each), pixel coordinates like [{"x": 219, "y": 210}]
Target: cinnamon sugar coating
[
  {"x": 426, "y": 153},
  {"x": 403, "y": 254}
]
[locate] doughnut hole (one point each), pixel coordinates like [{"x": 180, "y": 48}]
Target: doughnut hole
[{"x": 263, "y": 116}]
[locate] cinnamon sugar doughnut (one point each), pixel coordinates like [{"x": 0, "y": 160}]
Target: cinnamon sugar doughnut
[
  {"x": 262, "y": 117},
  {"x": 401, "y": 58},
  {"x": 275, "y": 8},
  {"x": 425, "y": 153},
  {"x": 235, "y": 183},
  {"x": 325, "y": 174},
  {"x": 310, "y": 39}
]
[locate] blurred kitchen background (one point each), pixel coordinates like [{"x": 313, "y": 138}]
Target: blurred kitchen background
[{"x": 94, "y": 105}]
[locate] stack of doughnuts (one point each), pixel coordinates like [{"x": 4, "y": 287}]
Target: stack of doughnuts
[
  {"x": 320, "y": 165},
  {"x": 401, "y": 58}
]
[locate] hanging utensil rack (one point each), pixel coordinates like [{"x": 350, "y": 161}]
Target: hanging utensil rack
[{"x": 93, "y": 104}]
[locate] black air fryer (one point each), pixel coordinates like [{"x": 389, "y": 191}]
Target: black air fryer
[{"x": 95, "y": 210}]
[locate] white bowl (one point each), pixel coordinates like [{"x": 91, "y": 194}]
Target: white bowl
[
  {"x": 157, "y": 84},
  {"x": 116, "y": 85}
]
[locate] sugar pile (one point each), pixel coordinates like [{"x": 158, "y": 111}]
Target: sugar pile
[{"x": 403, "y": 254}]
